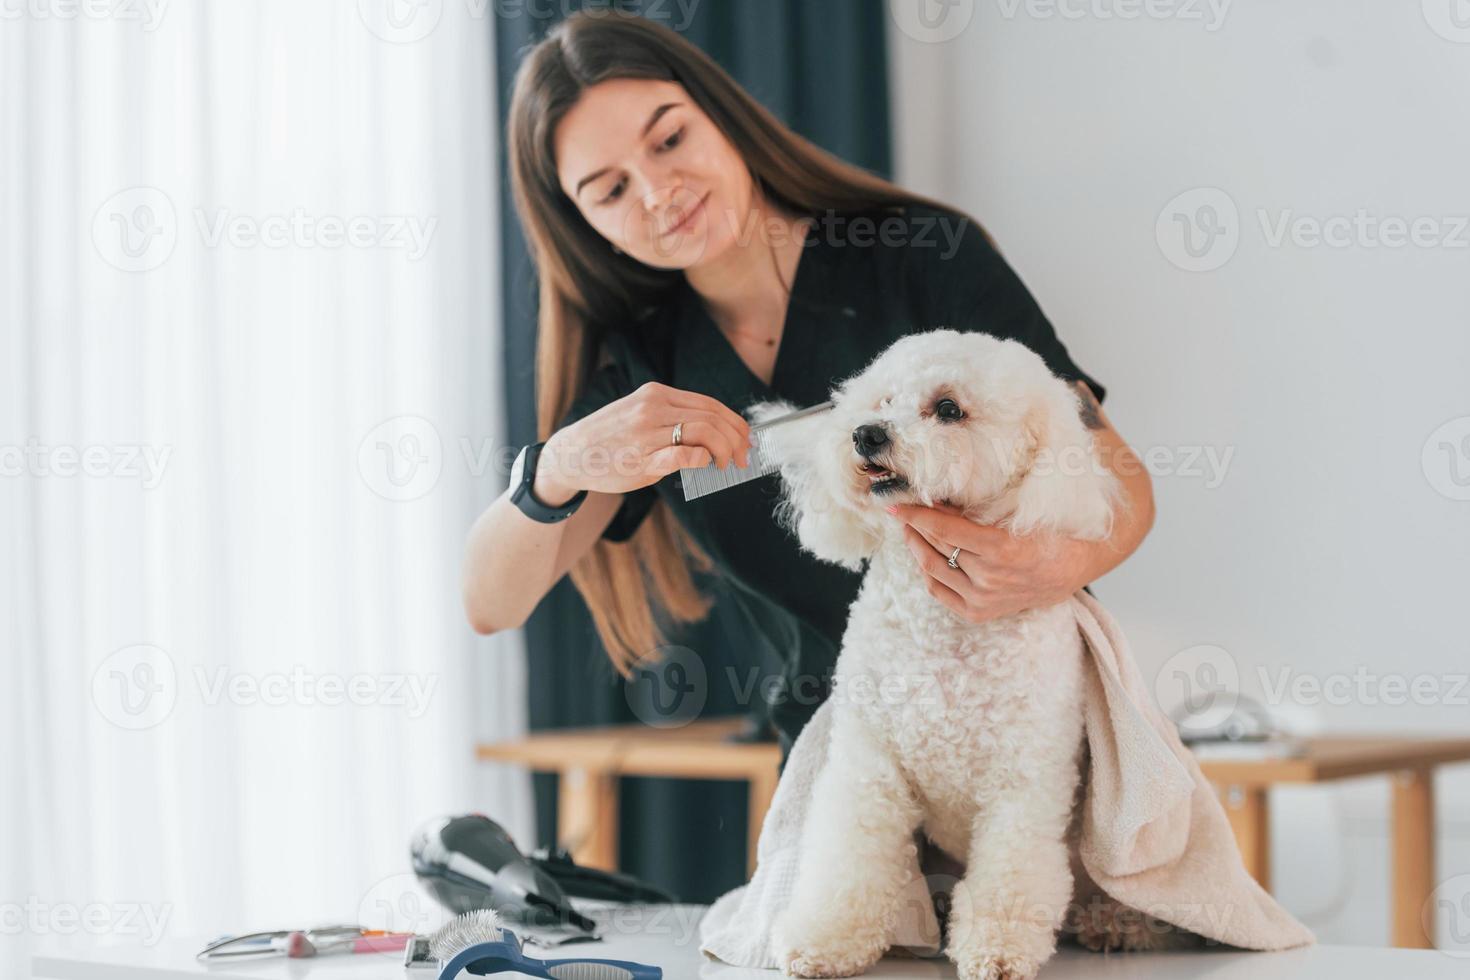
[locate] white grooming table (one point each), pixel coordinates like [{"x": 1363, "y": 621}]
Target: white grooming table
[{"x": 671, "y": 940}]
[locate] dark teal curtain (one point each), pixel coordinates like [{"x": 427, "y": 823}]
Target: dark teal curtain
[{"x": 821, "y": 66}]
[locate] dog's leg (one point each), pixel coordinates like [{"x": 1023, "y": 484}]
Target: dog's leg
[
  {"x": 857, "y": 852},
  {"x": 1005, "y": 912}
]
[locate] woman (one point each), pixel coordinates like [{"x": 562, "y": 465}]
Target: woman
[{"x": 695, "y": 256}]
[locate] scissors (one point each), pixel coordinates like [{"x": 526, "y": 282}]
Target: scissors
[{"x": 300, "y": 943}]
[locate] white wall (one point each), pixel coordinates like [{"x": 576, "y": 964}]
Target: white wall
[{"x": 1335, "y": 540}]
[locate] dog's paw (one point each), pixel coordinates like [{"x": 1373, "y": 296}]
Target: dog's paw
[
  {"x": 996, "y": 966},
  {"x": 811, "y": 962},
  {"x": 826, "y": 942},
  {"x": 826, "y": 951}
]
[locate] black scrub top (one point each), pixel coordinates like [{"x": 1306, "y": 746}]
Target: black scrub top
[{"x": 857, "y": 288}]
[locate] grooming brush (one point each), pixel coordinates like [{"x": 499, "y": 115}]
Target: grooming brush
[
  {"x": 699, "y": 481},
  {"x": 477, "y": 943}
]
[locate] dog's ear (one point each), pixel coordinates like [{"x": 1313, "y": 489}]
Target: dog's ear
[
  {"x": 809, "y": 507},
  {"x": 1066, "y": 488}
]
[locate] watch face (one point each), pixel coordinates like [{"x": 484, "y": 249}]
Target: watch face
[{"x": 518, "y": 467}]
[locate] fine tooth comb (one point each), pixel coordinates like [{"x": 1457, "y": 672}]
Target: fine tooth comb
[{"x": 700, "y": 481}]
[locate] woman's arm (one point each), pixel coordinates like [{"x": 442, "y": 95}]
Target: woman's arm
[{"x": 1016, "y": 573}]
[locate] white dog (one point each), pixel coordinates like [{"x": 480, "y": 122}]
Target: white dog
[{"x": 972, "y": 733}]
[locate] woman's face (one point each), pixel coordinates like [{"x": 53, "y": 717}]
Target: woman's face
[{"x": 652, "y": 173}]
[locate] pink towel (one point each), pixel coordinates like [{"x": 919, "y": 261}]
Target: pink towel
[{"x": 1154, "y": 835}]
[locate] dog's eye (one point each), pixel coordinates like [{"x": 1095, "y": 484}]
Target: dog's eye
[{"x": 948, "y": 411}]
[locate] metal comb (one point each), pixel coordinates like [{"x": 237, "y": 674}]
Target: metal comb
[{"x": 700, "y": 481}]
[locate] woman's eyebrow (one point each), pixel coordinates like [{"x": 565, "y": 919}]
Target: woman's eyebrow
[{"x": 652, "y": 122}]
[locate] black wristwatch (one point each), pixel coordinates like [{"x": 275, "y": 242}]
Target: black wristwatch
[{"x": 523, "y": 476}]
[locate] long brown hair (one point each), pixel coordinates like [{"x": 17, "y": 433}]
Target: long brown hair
[{"x": 584, "y": 285}]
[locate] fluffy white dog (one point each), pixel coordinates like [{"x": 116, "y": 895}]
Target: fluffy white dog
[{"x": 970, "y": 733}]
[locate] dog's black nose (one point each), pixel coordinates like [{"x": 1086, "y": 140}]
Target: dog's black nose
[{"x": 868, "y": 439}]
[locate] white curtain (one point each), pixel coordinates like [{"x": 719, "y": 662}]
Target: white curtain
[{"x": 248, "y": 410}]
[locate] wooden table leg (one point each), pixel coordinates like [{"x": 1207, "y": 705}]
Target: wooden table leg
[
  {"x": 587, "y": 817},
  {"x": 1413, "y": 858},
  {"x": 1250, "y": 820},
  {"x": 762, "y": 788}
]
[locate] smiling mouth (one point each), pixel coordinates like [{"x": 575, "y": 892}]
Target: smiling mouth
[
  {"x": 881, "y": 479},
  {"x": 690, "y": 216}
]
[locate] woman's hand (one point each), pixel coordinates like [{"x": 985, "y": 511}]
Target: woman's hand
[
  {"x": 999, "y": 573},
  {"x": 627, "y": 444}
]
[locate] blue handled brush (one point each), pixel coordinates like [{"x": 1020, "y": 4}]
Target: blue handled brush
[{"x": 476, "y": 943}]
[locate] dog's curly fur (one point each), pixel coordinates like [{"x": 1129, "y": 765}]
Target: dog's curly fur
[{"x": 969, "y": 733}]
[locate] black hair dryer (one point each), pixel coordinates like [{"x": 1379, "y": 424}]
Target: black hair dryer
[{"x": 470, "y": 862}]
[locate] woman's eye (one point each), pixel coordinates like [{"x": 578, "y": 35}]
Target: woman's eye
[
  {"x": 948, "y": 411},
  {"x": 615, "y": 193},
  {"x": 674, "y": 138}
]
